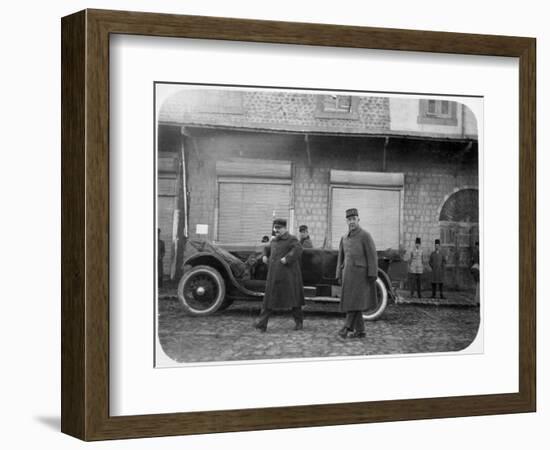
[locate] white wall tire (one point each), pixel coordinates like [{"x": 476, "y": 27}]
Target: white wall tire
[
  {"x": 201, "y": 291},
  {"x": 382, "y": 302}
]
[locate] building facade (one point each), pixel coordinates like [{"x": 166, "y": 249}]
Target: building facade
[{"x": 229, "y": 161}]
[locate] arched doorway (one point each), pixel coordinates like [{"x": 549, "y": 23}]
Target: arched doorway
[{"x": 459, "y": 231}]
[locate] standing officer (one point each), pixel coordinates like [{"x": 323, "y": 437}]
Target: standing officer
[
  {"x": 305, "y": 240},
  {"x": 356, "y": 270},
  {"x": 284, "y": 287},
  {"x": 474, "y": 269},
  {"x": 437, "y": 263},
  {"x": 160, "y": 256},
  {"x": 416, "y": 268}
]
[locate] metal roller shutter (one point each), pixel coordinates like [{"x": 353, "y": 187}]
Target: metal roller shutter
[
  {"x": 378, "y": 212},
  {"x": 246, "y": 210}
]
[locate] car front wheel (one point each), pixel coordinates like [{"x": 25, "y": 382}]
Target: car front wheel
[
  {"x": 201, "y": 290},
  {"x": 382, "y": 302}
]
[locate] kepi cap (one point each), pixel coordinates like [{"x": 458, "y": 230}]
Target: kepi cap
[
  {"x": 279, "y": 222},
  {"x": 351, "y": 212}
]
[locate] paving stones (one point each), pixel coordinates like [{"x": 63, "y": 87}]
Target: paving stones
[
  {"x": 229, "y": 335},
  {"x": 452, "y": 298}
]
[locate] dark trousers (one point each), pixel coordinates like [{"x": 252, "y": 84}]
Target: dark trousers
[
  {"x": 440, "y": 289},
  {"x": 266, "y": 313},
  {"x": 416, "y": 279},
  {"x": 354, "y": 321}
]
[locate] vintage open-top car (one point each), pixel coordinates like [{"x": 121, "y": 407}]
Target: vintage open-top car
[{"x": 216, "y": 275}]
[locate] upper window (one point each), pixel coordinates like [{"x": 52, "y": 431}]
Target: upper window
[
  {"x": 437, "y": 112},
  {"x": 337, "y": 107}
]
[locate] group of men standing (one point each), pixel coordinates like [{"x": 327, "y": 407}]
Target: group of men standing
[
  {"x": 437, "y": 264},
  {"x": 356, "y": 272}
]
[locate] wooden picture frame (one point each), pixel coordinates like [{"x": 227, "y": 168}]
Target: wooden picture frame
[{"x": 85, "y": 224}]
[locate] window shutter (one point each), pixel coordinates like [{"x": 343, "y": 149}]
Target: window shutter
[
  {"x": 378, "y": 212},
  {"x": 246, "y": 210}
]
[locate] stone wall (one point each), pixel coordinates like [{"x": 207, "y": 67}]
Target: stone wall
[
  {"x": 424, "y": 194},
  {"x": 311, "y": 201},
  {"x": 201, "y": 186},
  {"x": 432, "y": 171},
  {"x": 270, "y": 110}
]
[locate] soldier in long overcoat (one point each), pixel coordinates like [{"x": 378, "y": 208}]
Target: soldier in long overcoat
[
  {"x": 437, "y": 263},
  {"x": 284, "y": 285},
  {"x": 357, "y": 270}
]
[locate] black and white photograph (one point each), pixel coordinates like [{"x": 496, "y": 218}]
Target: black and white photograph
[
  {"x": 297, "y": 224},
  {"x": 262, "y": 226}
]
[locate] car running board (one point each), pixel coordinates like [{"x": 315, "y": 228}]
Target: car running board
[{"x": 323, "y": 299}]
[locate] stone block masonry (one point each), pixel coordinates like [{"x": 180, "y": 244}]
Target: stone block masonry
[
  {"x": 311, "y": 201},
  {"x": 426, "y": 187},
  {"x": 424, "y": 194},
  {"x": 276, "y": 110}
]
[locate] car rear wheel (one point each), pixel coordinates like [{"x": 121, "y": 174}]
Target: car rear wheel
[
  {"x": 382, "y": 302},
  {"x": 201, "y": 290}
]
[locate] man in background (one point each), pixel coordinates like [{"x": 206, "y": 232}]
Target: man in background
[
  {"x": 437, "y": 263},
  {"x": 474, "y": 268},
  {"x": 416, "y": 268},
  {"x": 160, "y": 256},
  {"x": 305, "y": 240}
]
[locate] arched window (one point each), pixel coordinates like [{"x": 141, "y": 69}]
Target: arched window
[
  {"x": 462, "y": 206},
  {"x": 459, "y": 231}
]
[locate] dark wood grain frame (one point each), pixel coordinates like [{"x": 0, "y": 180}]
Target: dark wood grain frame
[{"x": 85, "y": 224}]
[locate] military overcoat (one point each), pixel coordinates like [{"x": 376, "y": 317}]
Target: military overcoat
[
  {"x": 306, "y": 242},
  {"x": 437, "y": 263},
  {"x": 357, "y": 267},
  {"x": 284, "y": 287}
]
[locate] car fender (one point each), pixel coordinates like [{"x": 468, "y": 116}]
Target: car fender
[{"x": 387, "y": 282}]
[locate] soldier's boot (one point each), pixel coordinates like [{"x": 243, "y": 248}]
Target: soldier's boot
[
  {"x": 343, "y": 333},
  {"x": 357, "y": 335},
  {"x": 260, "y": 326},
  {"x": 261, "y": 323},
  {"x": 298, "y": 316}
]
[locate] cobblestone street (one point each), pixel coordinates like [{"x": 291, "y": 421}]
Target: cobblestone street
[{"x": 229, "y": 335}]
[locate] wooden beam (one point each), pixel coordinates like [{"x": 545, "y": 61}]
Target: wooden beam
[{"x": 386, "y": 142}]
